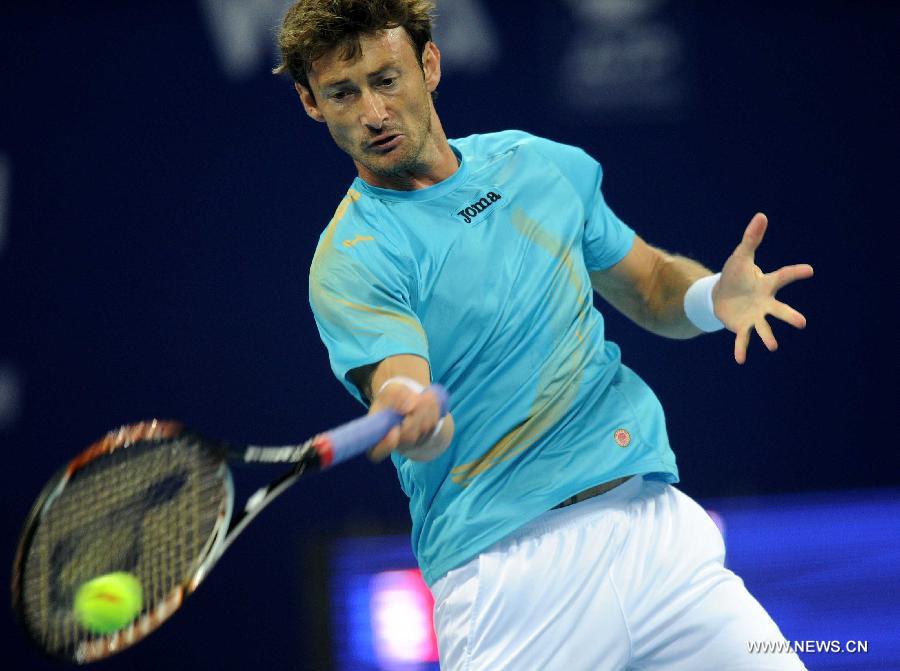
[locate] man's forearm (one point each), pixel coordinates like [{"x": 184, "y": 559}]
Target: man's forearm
[
  {"x": 664, "y": 307},
  {"x": 648, "y": 287}
]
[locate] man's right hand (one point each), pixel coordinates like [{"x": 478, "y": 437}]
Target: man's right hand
[{"x": 421, "y": 413}]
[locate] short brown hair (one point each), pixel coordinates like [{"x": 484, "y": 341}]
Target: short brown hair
[{"x": 312, "y": 28}]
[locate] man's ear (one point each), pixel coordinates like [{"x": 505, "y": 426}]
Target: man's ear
[
  {"x": 309, "y": 103},
  {"x": 431, "y": 66}
]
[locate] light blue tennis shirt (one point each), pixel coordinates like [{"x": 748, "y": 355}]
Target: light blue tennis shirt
[{"x": 485, "y": 275}]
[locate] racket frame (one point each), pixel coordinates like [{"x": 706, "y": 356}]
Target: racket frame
[{"x": 100, "y": 646}]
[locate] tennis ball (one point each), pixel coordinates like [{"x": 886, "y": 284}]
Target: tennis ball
[{"x": 108, "y": 602}]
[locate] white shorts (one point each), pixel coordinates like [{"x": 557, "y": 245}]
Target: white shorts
[{"x": 630, "y": 579}]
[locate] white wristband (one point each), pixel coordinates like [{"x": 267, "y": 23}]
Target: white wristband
[
  {"x": 428, "y": 447},
  {"x": 401, "y": 379},
  {"x": 698, "y": 304}
]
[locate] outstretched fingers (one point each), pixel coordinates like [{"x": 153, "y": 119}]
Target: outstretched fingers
[
  {"x": 764, "y": 331},
  {"x": 753, "y": 236},
  {"x": 784, "y": 276},
  {"x": 752, "y": 295},
  {"x": 741, "y": 341},
  {"x": 787, "y": 314}
]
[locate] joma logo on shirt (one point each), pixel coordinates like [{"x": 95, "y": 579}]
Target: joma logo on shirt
[{"x": 479, "y": 206}]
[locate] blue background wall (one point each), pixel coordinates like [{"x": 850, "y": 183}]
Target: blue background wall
[{"x": 161, "y": 196}]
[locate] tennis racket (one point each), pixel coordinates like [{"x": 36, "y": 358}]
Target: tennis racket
[{"x": 155, "y": 500}]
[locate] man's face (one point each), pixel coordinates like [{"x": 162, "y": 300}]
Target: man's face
[{"x": 377, "y": 106}]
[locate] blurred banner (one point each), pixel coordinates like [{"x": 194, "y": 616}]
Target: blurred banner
[{"x": 161, "y": 195}]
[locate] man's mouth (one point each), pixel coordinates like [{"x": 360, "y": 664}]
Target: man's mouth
[{"x": 386, "y": 142}]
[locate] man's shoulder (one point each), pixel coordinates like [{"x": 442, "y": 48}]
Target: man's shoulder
[
  {"x": 488, "y": 145},
  {"x": 494, "y": 143},
  {"x": 348, "y": 226},
  {"x": 353, "y": 212},
  {"x": 359, "y": 234}
]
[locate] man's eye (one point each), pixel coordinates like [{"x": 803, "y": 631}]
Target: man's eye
[
  {"x": 388, "y": 81},
  {"x": 340, "y": 95}
]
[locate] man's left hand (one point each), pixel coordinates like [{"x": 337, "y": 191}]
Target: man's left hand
[{"x": 744, "y": 295}]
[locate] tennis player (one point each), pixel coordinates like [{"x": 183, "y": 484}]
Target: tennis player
[{"x": 544, "y": 515}]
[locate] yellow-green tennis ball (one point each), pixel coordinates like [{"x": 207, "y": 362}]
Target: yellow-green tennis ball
[{"x": 109, "y": 602}]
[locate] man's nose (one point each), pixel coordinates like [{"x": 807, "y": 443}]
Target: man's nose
[{"x": 374, "y": 112}]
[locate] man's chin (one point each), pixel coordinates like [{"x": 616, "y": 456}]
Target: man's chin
[{"x": 387, "y": 164}]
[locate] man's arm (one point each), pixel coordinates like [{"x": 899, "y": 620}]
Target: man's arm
[
  {"x": 649, "y": 287},
  {"x": 381, "y": 383}
]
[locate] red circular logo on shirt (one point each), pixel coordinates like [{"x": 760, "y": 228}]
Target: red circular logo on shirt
[{"x": 623, "y": 438}]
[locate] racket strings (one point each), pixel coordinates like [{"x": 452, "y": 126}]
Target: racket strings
[{"x": 148, "y": 509}]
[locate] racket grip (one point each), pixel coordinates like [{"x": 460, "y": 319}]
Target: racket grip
[{"x": 354, "y": 438}]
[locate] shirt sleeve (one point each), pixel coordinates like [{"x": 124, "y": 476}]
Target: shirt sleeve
[
  {"x": 607, "y": 239},
  {"x": 361, "y": 299}
]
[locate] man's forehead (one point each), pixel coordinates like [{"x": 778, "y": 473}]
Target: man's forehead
[{"x": 382, "y": 49}]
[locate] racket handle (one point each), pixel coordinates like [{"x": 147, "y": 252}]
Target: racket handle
[{"x": 361, "y": 434}]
